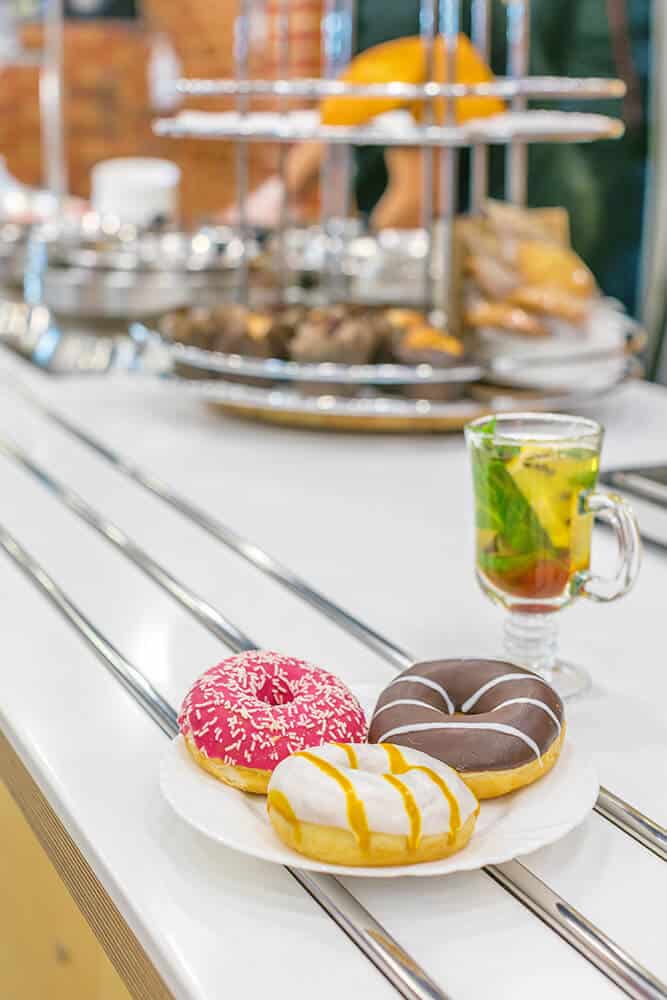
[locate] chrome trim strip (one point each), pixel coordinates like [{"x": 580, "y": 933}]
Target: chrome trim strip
[
  {"x": 252, "y": 553},
  {"x": 646, "y": 831},
  {"x": 199, "y": 608},
  {"x": 628, "y": 974},
  {"x": 365, "y": 931},
  {"x": 551, "y": 87}
]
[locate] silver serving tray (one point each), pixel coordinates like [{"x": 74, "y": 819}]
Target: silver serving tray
[
  {"x": 106, "y": 244},
  {"x": 32, "y": 332},
  {"x": 522, "y": 126},
  {"x": 377, "y": 413},
  {"x": 599, "y": 366}
]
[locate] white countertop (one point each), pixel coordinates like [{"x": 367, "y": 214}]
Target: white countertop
[{"x": 381, "y": 525}]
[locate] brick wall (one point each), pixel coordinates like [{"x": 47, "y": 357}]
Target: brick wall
[{"x": 107, "y": 109}]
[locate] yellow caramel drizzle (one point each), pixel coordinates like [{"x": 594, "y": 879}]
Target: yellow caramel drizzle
[
  {"x": 399, "y": 765},
  {"x": 351, "y": 755},
  {"x": 397, "y": 762},
  {"x": 411, "y": 809},
  {"x": 280, "y": 803},
  {"x": 356, "y": 814},
  {"x": 454, "y": 813}
]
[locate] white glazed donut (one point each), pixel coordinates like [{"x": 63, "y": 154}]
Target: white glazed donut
[{"x": 362, "y": 804}]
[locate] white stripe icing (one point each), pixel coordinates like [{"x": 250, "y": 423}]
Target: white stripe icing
[
  {"x": 531, "y": 701},
  {"x": 499, "y": 727},
  {"x": 474, "y": 698},
  {"x": 427, "y": 683},
  {"x": 405, "y": 701}
]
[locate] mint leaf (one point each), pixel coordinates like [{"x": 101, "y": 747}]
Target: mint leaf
[{"x": 502, "y": 508}]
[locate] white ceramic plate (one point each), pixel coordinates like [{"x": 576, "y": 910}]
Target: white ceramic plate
[{"x": 506, "y": 828}]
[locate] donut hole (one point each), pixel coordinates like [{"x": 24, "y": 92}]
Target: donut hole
[{"x": 275, "y": 691}]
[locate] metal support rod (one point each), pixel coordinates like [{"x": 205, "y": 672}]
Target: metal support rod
[
  {"x": 479, "y": 156},
  {"x": 336, "y": 171},
  {"x": 518, "y": 62},
  {"x": 449, "y": 157},
  {"x": 54, "y": 168},
  {"x": 283, "y": 68},
  {"x": 241, "y": 55},
  {"x": 427, "y": 27}
]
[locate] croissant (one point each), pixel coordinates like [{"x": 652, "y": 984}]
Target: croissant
[
  {"x": 505, "y": 316},
  {"x": 542, "y": 263},
  {"x": 550, "y": 301}
]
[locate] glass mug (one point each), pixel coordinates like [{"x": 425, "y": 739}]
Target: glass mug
[{"x": 534, "y": 480}]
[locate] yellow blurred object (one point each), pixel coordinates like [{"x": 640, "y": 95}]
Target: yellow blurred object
[
  {"x": 541, "y": 263},
  {"x": 552, "y": 301},
  {"x": 404, "y": 61},
  {"x": 429, "y": 338},
  {"x": 505, "y": 316}
]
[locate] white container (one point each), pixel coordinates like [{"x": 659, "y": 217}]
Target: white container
[{"x": 137, "y": 190}]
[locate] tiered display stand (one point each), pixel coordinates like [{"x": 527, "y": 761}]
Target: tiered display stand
[{"x": 516, "y": 129}]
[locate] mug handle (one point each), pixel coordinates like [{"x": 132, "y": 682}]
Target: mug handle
[{"x": 616, "y": 512}]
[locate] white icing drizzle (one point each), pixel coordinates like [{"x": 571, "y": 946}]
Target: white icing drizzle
[
  {"x": 531, "y": 701},
  {"x": 499, "y": 727},
  {"x": 474, "y": 698},
  {"x": 427, "y": 682},
  {"x": 405, "y": 701}
]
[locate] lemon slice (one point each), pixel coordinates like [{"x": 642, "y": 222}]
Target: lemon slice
[{"x": 551, "y": 483}]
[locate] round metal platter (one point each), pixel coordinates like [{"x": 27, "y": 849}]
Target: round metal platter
[
  {"x": 384, "y": 414},
  {"x": 582, "y": 362}
]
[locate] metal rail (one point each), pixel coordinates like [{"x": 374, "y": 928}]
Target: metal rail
[
  {"x": 551, "y": 87},
  {"x": 626, "y": 817},
  {"x": 584, "y": 936},
  {"x": 525, "y": 127}
]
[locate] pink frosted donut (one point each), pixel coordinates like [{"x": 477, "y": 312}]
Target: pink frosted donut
[{"x": 241, "y": 718}]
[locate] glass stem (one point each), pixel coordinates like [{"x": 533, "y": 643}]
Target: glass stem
[{"x": 531, "y": 640}]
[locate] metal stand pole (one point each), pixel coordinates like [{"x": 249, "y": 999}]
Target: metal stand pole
[
  {"x": 479, "y": 167},
  {"x": 283, "y": 42},
  {"x": 54, "y": 168},
  {"x": 427, "y": 23},
  {"x": 336, "y": 172},
  {"x": 449, "y": 155},
  {"x": 518, "y": 60},
  {"x": 241, "y": 46}
]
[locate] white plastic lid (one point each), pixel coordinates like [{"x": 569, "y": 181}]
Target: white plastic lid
[{"x": 136, "y": 189}]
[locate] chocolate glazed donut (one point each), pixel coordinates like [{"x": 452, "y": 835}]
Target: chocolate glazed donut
[{"x": 498, "y": 725}]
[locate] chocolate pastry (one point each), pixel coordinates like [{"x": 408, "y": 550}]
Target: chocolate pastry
[
  {"x": 351, "y": 341},
  {"x": 258, "y": 336},
  {"x": 475, "y": 715},
  {"x": 426, "y": 345}
]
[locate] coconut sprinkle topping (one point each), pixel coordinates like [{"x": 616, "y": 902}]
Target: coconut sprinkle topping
[{"x": 255, "y": 709}]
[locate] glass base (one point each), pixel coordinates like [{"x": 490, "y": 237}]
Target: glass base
[
  {"x": 531, "y": 640},
  {"x": 570, "y": 680}
]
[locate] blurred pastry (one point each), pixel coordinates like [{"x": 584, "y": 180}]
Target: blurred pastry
[
  {"x": 551, "y": 301},
  {"x": 505, "y": 316},
  {"x": 350, "y": 341},
  {"x": 428, "y": 345},
  {"x": 494, "y": 278},
  {"x": 541, "y": 263},
  {"x": 259, "y": 336}
]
